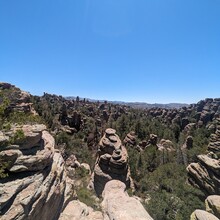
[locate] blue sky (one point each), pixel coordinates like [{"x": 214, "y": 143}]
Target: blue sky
[{"x": 128, "y": 50}]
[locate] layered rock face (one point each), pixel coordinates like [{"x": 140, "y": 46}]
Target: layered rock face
[
  {"x": 111, "y": 163},
  {"x": 36, "y": 187},
  {"x": 212, "y": 209},
  {"x": 206, "y": 173},
  {"x": 117, "y": 205}
]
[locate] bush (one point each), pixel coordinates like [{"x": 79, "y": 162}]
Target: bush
[
  {"x": 18, "y": 137},
  {"x": 3, "y": 166}
]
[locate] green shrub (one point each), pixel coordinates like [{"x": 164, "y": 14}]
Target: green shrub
[
  {"x": 86, "y": 196},
  {"x": 18, "y": 137},
  {"x": 3, "y": 166}
]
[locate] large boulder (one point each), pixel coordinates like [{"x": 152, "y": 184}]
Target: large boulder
[
  {"x": 32, "y": 151},
  {"x": 212, "y": 209},
  {"x": 213, "y": 205},
  {"x": 202, "y": 215},
  {"x": 166, "y": 145},
  {"x": 117, "y": 205},
  {"x": 77, "y": 210}
]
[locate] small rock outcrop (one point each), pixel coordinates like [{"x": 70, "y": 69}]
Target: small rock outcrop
[
  {"x": 202, "y": 215},
  {"x": 117, "y": 205},
  {"x": 37, "y": 186},
  {"x": 165, "y": 145},
  {"x": 76, "y": 210},
  {"x": 130, "y": 139},
  {"x": 213, "y": 205},
  {"x": 111, "y": 163},
  {"x": 153, "y": 139},
  {"x": 212, "y": 209}
]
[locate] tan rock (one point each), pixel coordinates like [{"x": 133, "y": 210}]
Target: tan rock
[
  {"x": 202, "y": 215},
  {"x": 213, "y": 205},
  {"x": 117, "y": 205},
  {"x": 203, "y": 178},
  {"x": 212, "y": 164},
  {"x": 166, "y": 145},
  {"x": 31, "y": 159},
  {"x": 206, "y": 172},
  {"x": 77, "y": 210}
]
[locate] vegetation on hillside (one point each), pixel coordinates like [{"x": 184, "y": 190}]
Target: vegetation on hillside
[{"x": 160, "y": 177}]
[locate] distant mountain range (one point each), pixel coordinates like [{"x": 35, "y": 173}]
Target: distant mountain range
[{"x": 140, "y": 105}]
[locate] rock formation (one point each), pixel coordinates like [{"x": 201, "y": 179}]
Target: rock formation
[
  {"x": 37, "y": 186},
  {"x": 76, "y": 210},
  {"x": 202, "y": 215},
  {"x": 213, "y": 205},
  {"x": 206, "y": 173},
  {"x": 203, "y": 113},
  {"x": 111, "y": 163},
  {"x": 130, "y": 139},
  {"x": 212, "y": 209},
  {"x": 117, "y": 205},
  {"x": 166, "y": 145}
]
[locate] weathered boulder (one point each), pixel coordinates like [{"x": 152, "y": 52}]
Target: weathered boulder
[
  {"x": 204, "y": 177},
  {"x": 166, "y": 145},
  {"x": 202, "y": 215},
  {"x": 213, "y": 205},
  {"x": 77, "y": 210},
  {"x": 212, "y": 209},
  {"x": 33, "y": 151},
  {"x": 117, "y": 205},
  {"x": 22, "y": 136}
]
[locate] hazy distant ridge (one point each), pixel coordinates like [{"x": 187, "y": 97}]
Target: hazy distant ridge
[{"x": 136, "y": 104}]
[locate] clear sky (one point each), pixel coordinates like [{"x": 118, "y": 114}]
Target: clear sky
[{"x": 127, "y": 50}]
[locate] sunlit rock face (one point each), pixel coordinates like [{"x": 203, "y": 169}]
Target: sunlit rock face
[
  {"x": 118, "y": 205},
  {"x": 111, "y": 163},
  {"x": 212, "y": 212},
  {"x": 37, "y": 186}
]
